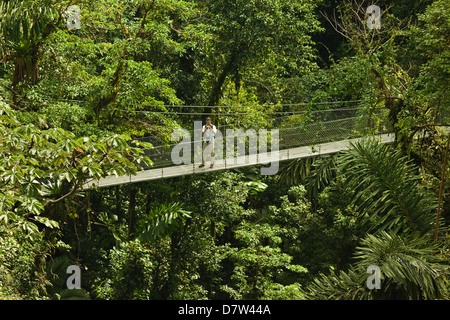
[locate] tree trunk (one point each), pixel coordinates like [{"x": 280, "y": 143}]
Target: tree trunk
[
  {"x": 441, "y": 191},
  {"x": 118, "y": 203},
  {"x": 217, "y": 89},
  {"x": 132, "y": 212}
]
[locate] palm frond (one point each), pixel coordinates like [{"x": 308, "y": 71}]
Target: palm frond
[
  {"x": 407, "y": 264},
  {"x": 162, "y": 220},
  {"x": 314, "y": 172},
  {"x": 322, "y": 174},
  {"x": 389, "y": 194},
  {"x": 341, "y": 285},
  {"x": 409, "y": 270},
  {"x": 296, "y": 171},
  {"x": 74, "y": 294},
  {"x": 56, "y": 272}
]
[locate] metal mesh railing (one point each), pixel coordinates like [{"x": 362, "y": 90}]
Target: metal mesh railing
[{"x": 306, "y": 129}]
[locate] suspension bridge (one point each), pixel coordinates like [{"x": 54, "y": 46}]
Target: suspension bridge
[{"x": 290, "y": 137}]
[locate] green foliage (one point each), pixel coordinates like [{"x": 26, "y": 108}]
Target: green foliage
[
  {"x": 315, "y": 238},
  {"x": 74, "y": 294},
  {"x": 54, "y": 163},
  {"x": 41, "y": 172},
  {"x": 23, "y": 26},
  {"x": 314, "y": 172},
  {"x": 259, "y": 263},
  {"x": 161, "y": 221},
  {"x": 207, "y": 196},
  {"x": 72, "y": 103},
  {"x": 388, "y": 189},
  {"x": 430, "y": 89},
  {"x": 243, "y": 47},
  {"x": 57, "y": 274},
  {"x": 408, "y": 271},
  {"x": 22, "y": 264},
  {"x": 407, "y": 262},
  {"x": 390, "y": 197},
  {"x": 128, "y": 274}
]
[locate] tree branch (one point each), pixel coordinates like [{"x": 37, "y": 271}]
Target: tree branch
[{"x": 53, "y": 201}]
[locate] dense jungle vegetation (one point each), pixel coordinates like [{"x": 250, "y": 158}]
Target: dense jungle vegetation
[{"x": 75, "y": 101}]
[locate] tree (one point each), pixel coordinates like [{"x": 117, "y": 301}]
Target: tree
[
  {"x": 385, "y": 80},
  {"x": 428, "y": 94},
  {"x": 41, "y": 171},
  {"x": 388, "y": 189},
  {"x": 259, "y": 264},
  {"x": 396, "y": 209},
  {"x": 23, "y": 29},
  {"x": 427, "y": 105},
  {"x": 249, "y": 35},
  {"x": 409, "y": 270}
]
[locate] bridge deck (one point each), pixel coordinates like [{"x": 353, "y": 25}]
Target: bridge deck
[{"x": 225, "y": 164}]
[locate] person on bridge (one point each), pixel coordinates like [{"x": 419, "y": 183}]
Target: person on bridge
[{"x": 208, "y": 132}]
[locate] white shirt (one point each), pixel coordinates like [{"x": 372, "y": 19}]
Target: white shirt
[{"x": 209, "y": 133}]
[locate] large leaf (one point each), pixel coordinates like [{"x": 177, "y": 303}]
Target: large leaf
[
  {"x": 161, "y": 221},
  {"x": 408, "y": 271},
  {"x": 389, "y": 194},
  {"x": 406, "y": 262}
]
